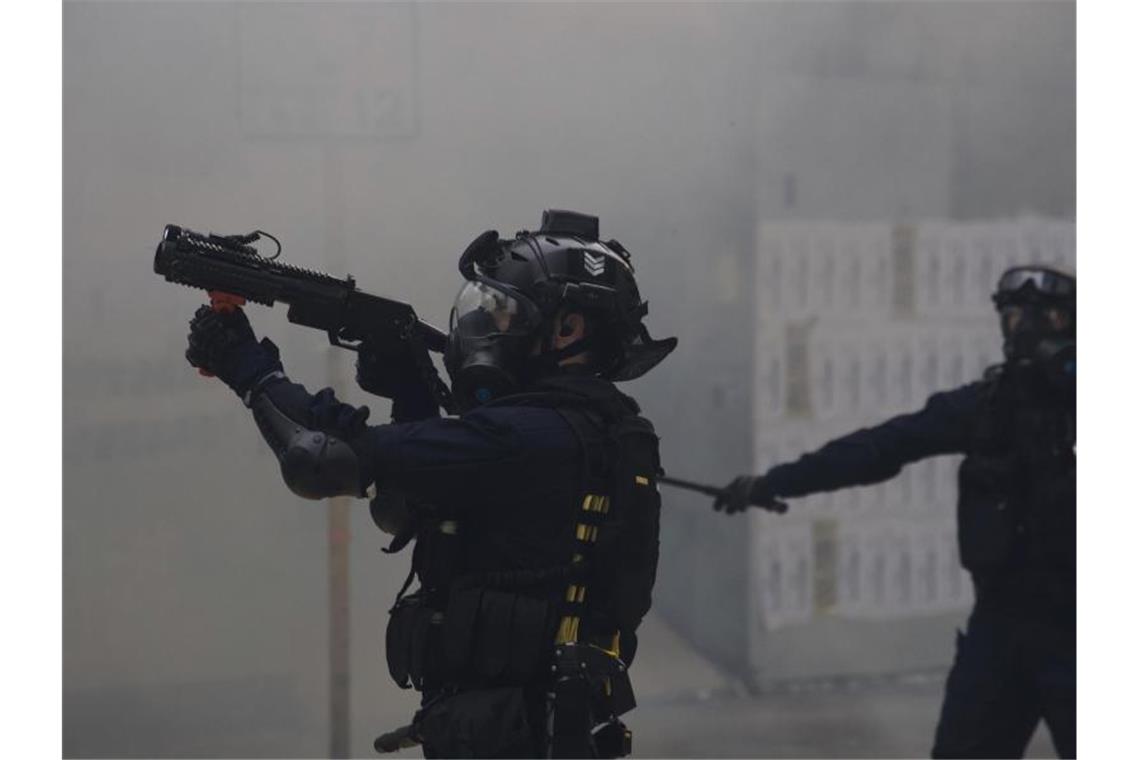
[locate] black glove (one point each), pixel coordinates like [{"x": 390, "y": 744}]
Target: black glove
[
  {"x": 746, "y": 491},
  {"x": 223, "y": 344},
  {"x": 397, "y": 374}
]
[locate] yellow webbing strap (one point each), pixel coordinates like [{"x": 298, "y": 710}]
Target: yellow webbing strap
[
  {"x": 576, "y": 593},
  {"x": 567, "y": 631}
]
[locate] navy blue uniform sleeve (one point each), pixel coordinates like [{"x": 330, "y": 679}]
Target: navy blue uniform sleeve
[
  {"x": 448, "y": 459},
  {"x": 437, "y": 458},
  {"x": 871, "y": 455},
  {"x": 320, "y": 411}
]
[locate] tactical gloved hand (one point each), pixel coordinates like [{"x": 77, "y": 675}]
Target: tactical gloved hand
[
  {"x": 397, "y": 374},
  {"x": 392, "y": 372},
  {"x": 746, "y": 491},
  {"x": 223, "y": 344}
]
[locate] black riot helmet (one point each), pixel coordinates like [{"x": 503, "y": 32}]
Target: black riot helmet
[
  {"x": 514, "y": 291},
  {"x": 1038, "y": 308}
]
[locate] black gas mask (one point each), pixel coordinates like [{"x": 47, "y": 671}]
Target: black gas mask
[
  {"x": 492, "y": 331},
  {"x": 1038, "y": 318}
]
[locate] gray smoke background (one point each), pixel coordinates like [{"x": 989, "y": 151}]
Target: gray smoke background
[{"x": 378, "y": 140}]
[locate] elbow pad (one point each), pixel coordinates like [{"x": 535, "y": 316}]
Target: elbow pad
[{"x": 315, "y": 465}]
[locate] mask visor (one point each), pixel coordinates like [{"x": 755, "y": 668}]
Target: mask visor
[{"x": 482, "y": 310}]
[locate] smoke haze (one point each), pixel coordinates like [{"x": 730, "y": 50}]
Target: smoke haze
[{"x": 378, "y": 140}]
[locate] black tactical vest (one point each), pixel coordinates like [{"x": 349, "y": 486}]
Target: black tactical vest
[
  {"x": 476, "y": 624},
  {"x": 1017, "y": 494}
]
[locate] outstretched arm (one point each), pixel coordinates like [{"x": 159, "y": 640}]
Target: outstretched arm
[
  {"x": 872, "y": 455},
  {"x": 326, "y": 448},
  {"x": 309, "y": 434},
  {"x": 868, "y": 455}
]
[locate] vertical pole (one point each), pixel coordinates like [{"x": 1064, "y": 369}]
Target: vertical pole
[
  {"x": 338, "y": 535},
  {"x": 338, "y": 516}
]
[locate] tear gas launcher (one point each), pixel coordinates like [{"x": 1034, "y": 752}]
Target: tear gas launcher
[{"x": 233, "y": 272}]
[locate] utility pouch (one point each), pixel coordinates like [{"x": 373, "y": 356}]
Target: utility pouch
[
  {"x": 493, "y": 636},
  {"x": 478, "y": 723},
  {"x": 613, "y": 739},
  {"x": 591, "y": 690},
  {"x": 411, "y": 641},
  {"x": 572, "y": 723},
  {"x": 985, "y": 518}
]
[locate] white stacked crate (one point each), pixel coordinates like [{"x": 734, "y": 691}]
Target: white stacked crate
[{"x": 857, "y": 323}]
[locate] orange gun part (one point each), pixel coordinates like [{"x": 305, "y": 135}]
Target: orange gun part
[{"x": 223, "y": 303}]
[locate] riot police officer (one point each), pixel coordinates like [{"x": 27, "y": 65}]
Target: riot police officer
[
  {"x": 1016, "y": 662},
  {"x": 534, "y": 513}
]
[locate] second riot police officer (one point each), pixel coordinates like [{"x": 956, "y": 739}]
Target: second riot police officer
[
  {"x": 1016, "y": 662},
  {"x": 534, "y": 513}
]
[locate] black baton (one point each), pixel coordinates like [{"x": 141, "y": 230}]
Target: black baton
[{"x": 776, "y": 505}]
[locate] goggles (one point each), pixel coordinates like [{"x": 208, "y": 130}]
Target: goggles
[{"x": 1047, "y": 282}]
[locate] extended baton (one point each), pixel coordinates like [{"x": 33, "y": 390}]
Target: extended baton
[{"x": 776, "y": 505}]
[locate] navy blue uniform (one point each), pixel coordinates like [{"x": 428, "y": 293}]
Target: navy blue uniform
[
  {"x": 515, "y": 468},
  {"x": 497, "y": 511},
  {"x": 1016, "y": 661}
]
